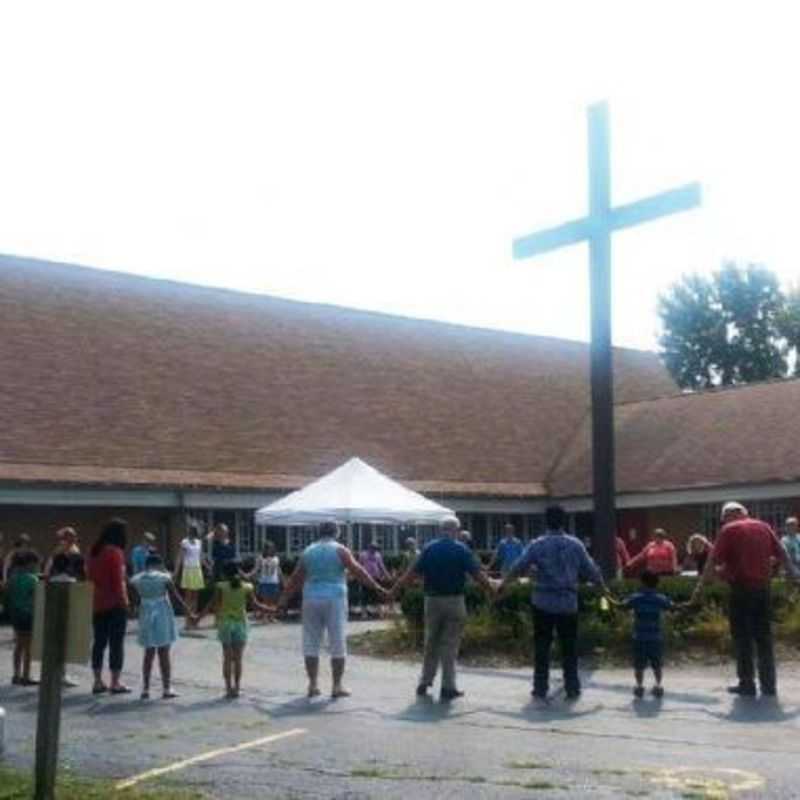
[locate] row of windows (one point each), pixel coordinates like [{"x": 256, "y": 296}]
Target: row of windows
[
  {"x": 773, "y": 512},
  {"x": 486, "y": 529}
]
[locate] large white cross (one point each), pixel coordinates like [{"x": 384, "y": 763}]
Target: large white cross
[{"x": 596, "y": 228}]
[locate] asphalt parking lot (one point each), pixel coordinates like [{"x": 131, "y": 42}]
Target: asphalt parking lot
[{"x": 385, "y": 743}]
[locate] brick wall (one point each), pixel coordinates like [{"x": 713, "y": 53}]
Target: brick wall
[
  {"x": 41, "y": 523},
  {"x": 680, "y": 522}
]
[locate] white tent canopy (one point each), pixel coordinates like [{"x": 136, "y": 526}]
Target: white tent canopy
[{"x": 353, "y": 492}]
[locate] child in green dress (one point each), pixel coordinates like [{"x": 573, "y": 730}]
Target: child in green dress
[
  {"x": 21, "y": 591},
  {"x": 230, "y": 606}
]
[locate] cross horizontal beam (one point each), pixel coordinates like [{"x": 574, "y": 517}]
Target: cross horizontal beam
[
  {"x": 626, "y": 216},
  {"x": 551, "y": 239},
  {"x": 673, "y": 201}
]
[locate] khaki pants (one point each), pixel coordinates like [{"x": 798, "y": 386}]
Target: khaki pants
[{"x": 444, "y": 623}]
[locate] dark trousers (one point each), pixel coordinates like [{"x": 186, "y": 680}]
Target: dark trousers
[
  {"x": 750, "y": 621},
  {"x": 566, "y": 627},
  {"x": 109, "y": 631}
]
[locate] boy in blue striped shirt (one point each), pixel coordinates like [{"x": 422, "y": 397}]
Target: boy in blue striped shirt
[{"x": 648, "y": 638}]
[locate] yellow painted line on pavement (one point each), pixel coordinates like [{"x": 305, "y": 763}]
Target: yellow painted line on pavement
[
  {"x": 702, "y": 780},
  {"x": 155, "y": 773}
]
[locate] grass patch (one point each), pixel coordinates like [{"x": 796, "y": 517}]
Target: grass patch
[
  {"x": 18, "y": 785},
  {"x": 372, "y": 772},
  {"x": 527, "y": 765},
  {"x": 535, "y": 786}
]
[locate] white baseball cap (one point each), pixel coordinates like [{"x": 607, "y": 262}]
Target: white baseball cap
[{"x": 732, "y": 506}]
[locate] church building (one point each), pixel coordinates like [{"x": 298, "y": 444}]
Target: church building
[{"x": 170, "y": 404}]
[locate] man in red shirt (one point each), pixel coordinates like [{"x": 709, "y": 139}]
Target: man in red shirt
[{"x": 746, "y": 549}]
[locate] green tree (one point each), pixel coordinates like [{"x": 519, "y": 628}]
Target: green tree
[
  {"x": 790, "y": 327},
  {"x": 732, "y": 327}
]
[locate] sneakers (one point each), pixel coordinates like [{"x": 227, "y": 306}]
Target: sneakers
[
  {"x": 422, "y": 690},
  {"x": 450, "y": 694},
  {"x": 743, "y": 690},
  {"x": 656, "y": 691}
]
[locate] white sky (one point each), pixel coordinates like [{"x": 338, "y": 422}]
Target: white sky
[{"x": 384, "y": 154}]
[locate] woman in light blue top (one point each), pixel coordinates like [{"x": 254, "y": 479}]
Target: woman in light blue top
[{"x": 322, "y": 573}]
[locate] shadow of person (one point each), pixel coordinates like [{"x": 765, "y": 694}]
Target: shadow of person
[
  {"x": 129, "y": 706},
  {"x": 300, "y": 706},
  {"x": 755, "y": 710},
  {"x": 427, "y": 709},
  {"x": 551, "y": 711},
  {"x": 677, "y": 696},
  {"x": 203, "y": 705},
  {"x": 647, "y": 708}
]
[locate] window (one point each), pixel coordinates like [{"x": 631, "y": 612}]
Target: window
[
  {"x": 478, "y": 527},
  {"x": 534, "y": 525},
  {"x": 269, "y": 533},
  {"x": 246, "y": 533},
  {"x": 773, "y": 512},
  {"x": 300, "y": 537}
]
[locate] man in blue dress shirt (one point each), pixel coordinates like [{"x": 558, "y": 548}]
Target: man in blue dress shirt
[{"x": 560, "y": 562}]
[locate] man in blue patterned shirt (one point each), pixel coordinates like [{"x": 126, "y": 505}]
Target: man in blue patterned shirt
[{"x": 560, "y": 562}]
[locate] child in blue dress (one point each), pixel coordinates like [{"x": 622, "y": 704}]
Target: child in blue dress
[{"x": 157, "y": 630}]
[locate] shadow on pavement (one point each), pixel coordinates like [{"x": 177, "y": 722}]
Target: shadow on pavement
[
  {"x": 426, "y": 709},
  {"x": 683, "y": 697},
  {"x": 131, "y": 705},
  {"x": 202, "y": 705},
  {"x": 299, "y": 706},
  {"x": 647, "y": 708},
  {"x": 754, "y": 710},
  {"x": 536, "y": 712}
]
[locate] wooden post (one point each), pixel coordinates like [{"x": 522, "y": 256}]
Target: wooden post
[{"x": 56, "y": 614}]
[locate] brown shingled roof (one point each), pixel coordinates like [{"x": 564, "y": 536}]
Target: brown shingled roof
[
  {"x": 720, "y": 437},
  {"x": 106, "y": 370}
]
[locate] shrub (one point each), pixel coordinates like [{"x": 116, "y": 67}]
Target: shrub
[{"x": 505, "y": 626}]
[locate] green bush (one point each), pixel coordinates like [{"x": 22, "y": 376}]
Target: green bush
[{"x": 505, "y": 627}]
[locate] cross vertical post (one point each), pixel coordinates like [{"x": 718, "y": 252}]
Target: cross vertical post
[
  {"x": 596, "y": 228},
  {"x": 601, "y": 351}
]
